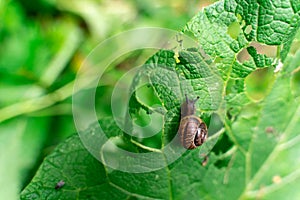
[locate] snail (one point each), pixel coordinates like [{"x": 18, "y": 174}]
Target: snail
[{"x": 192, "y": 130}]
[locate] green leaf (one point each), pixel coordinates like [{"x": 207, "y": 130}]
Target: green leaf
[
  {"x": 193, "y": 76},
  {"x": 256, "y": 156},
  {"x": 271, "y": 163},
  {"x": 88, "y": 178}
]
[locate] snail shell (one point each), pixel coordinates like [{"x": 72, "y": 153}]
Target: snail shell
[{"x": 192, "y": 130}]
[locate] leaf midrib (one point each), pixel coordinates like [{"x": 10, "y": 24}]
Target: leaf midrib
[{"x": 278, "y": 148}]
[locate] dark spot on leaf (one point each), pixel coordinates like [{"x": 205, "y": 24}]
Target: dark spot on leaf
[
  {"x": 60, "y": 184},
  {"x": 205, "y": 160},
  {"x": 269, "y": 129}
]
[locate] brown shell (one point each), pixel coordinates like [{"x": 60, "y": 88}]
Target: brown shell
[
  {"x": 188, "y": 128},
  {"x": 192, "y": 130}
]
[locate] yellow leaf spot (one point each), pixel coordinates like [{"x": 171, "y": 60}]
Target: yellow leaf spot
[
  {"x": 276, "y": 179},
  {"x": 176, "y": 55}
]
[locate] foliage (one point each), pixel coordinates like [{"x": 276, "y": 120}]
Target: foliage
[
  {"x": 256, "y": 156},
  {"x": 43, "y": 43}
]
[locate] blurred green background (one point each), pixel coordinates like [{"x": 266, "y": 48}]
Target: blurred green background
[{"x": 43, "y": 43}]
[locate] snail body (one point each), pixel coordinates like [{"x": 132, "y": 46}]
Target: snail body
[{"x": 192, "y": 130}]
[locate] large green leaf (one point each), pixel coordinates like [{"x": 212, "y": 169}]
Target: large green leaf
[{"x": 261, "y": 160}]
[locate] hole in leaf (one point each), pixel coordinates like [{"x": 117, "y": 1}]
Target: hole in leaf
[
  {"x": 147, "y": 96},
  {"x": 267, "y": 50},
  {"x": 258, "y": 83},
  {"x": 148, "y": 123},
  {"x": 234, "y": 30},
  {"x": 222, "y": 163},
  {"x": 152, "y": 142},
  {"x": 248, "y": 29},
  {"x": 147, "y": 129},
  {"x": 143, "y": 119},
  {"x": 110, "y": 147},
  {"x": 223, "y": 145}
]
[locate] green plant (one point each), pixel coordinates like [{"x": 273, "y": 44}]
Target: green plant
[{"x": 257, "y": 152}]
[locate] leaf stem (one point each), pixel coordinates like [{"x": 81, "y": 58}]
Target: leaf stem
[
  {"x": 145, "y": 147},
  {"x": 228, "y": 153}
]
